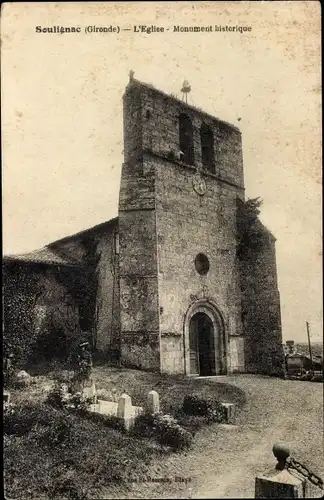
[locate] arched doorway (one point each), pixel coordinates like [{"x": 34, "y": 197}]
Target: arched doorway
[
  {"x": 202, "y": 345},
  {"x": 205, "y": 345}
]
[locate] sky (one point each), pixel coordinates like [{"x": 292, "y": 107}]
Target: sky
[{"x": 62, "y": 136}]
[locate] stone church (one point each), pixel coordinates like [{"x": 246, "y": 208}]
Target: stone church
[{"x": 166, "y": 290}]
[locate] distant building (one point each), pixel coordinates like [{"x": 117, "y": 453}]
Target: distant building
[{"x": 161, "y": 286}]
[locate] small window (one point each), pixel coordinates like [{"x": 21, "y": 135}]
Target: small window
[
  {"x": 202, "y": 263},
  {"x": 207, "y": 148},
  {"x": 186, "y": 143}
]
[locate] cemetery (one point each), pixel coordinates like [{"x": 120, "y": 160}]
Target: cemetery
[{"x": 145, "y": 434}]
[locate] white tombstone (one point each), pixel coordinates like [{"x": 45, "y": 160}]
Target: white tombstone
[
  {"x": 153, "y": 402},
  {"x": 125, "y": 411}
]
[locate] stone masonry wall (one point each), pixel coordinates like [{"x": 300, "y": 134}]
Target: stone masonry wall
[
  {"x": 107, "y": 303},
  {"x": 164, "y": 224},
  {"x": 160, "y": 133},
  {"x": 95, "y": 250},
  {"x": 139, "y": 317},
  {"x": 261, "y": 308},
  {"x": 186, "y": 223}
]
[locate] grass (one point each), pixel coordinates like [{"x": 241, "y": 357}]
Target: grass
[
  {"x": 112, "y": 382},
  {"x": 88, "y": 456},
  {"x": 171, "y": 388},
  {"x": 62, "y": 456}
]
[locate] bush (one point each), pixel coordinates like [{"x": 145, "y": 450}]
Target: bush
[
  {"x": 56, "y": 397},
  {"x": 60, "y": 398},
  {"x": 144, "y": 425},
  {"x": 56, "y": 433},
  {"x": 105, "y": 420},
  {"x": 78, "y": 403},
  {"x": 65, "y": 457},
  {"x": 165, "y": 429},
  {"x": 170, "y": 433},
  {"x": 207, "y": 407},
  {"x": 19, "y": 421},
  {"x": 192, "y": 423},
  {"x": 63, "y": 376},
  {"x": 80, "y": 359}
]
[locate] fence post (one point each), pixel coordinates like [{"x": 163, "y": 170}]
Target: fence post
[
  {"x": 280, "y": 483},
  {"x": 228, "y": 412}
]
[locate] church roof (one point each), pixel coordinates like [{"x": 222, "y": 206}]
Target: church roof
[
  {"x": 103, "y": 226},
  {"x": 58, "y": 254},
  {"x": 42, "y": 256}
]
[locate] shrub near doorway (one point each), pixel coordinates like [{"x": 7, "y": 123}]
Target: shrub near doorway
[{"x": 208, "y": 407}]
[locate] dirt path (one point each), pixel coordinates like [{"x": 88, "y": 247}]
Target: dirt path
[{"x": 224, "y": 460}]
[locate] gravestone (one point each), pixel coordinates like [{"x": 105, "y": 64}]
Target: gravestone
[
  {"x": 153, "y": 402},
  {"x": 125, "y": 411}
]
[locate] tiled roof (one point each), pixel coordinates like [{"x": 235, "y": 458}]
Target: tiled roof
[
  {"x": 54, "y": 254},
  {"x": 85, "y": 232},
  {"x": 42, "y": 256}
]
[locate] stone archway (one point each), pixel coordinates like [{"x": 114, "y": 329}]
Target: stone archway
[{"x": 204, "y": 340}]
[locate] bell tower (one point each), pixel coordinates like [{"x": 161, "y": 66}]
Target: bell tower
[{"x": 181, "y": 177}]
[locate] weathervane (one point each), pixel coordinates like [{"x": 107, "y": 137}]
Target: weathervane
[
  {"x": 131, "y": 75},
  {"x": 185, "y": 90}
]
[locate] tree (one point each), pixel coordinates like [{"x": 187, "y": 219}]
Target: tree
[{"x": 249, "y": 228}]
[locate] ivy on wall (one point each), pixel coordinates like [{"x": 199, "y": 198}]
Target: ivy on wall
[
  {"x": 250, "y": 236},
  {"x": 21, "y": 291},
  {"x": 40, "y": 312}
]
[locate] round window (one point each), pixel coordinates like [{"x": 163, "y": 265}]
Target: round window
[{"x": 202, "y": 263}]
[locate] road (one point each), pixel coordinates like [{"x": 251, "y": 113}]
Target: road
[{"x": 224, "y": 459}]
